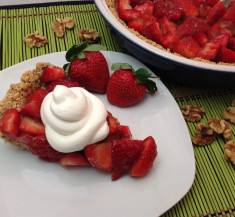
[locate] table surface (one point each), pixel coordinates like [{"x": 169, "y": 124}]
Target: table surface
[{"x": 213, "y": 191}]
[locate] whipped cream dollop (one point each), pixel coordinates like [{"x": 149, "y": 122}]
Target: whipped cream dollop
[{"x": 73, "y": 118}]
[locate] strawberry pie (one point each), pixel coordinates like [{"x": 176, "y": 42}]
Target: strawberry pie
[
  {"x": 55, "y": 118},
  {"x": 203, "y": 30}
]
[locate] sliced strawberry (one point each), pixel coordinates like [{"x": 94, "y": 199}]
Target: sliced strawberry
[
  {"x": 125, "y": 153},
  {"x": 204, "y": 11},
  {"x": 65, "y": 82},
  {"x": 167, "y": 9},
  {"x": 215, "y": 13},
  {"x": 137, "y": 25},
  {"x": 222, "y": 39},
  {"x": 187, "y": 7},
  {"x": 170, "y": 40},
  {"x": 23, "y": 137},
  {"x": 53, "y": 73},
  {"x": 123, "y": 5},
  {"x": 74, "y": 159},
  {"x": 197, "y": 3},
  {"x": 201, "y": 38},
  {"x": 38, "y": 96},
  {"x": 9, "y": 123},
  {"x": 31, "y": 109},
  {"x": 143, "y": 165},
  {"x": 210, "y": 3},
  {"x": 153, "y": 32},
  {"x": 168, "y": 26},
  {"x": 187, "y": 47},
  {"x": 209, "y": 51},
  {"x": 232, "y": 43},
  {"x": 39, "y": 146},
  {"x": 32, "y": 126},
  {"x": 99, "y": 155},
  {"x": 226, "y": 55},
  {"x": 230, "y": 13},
  {"x": 146, "y": 7},
  {"x": 191, "y": 26},
  {"x": 125, "y": 132},
  {"x": 114, "y": 127},
  {"x": 129, "y": 14}
]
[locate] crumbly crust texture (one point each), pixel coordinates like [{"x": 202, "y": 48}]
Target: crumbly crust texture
[
  {"x": 112, "y": 5},
  {"x": 17, "y": 95}
]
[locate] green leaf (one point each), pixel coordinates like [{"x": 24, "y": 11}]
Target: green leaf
[
  {"x": 66, "y": 67},
  {"x": 95, "y": 47},
  {"x": 118, "y": 66},
  {"x": 151, "y": 86},
  {"x": 142, "y": 75},
  {"x": 74, "y": 51}
]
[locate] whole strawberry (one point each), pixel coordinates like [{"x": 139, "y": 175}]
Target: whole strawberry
[
  {"x": 126, "y": 86},
  {"x": 88, "y": 67}
]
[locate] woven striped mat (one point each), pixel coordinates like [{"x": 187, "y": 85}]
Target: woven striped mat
[{"x": 213, "y": 191}]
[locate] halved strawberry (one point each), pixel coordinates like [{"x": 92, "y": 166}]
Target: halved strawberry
[
  {"x": 201, "y": 38},
  {"x": 9, "y": 123},
  {"x": 221, "y": 27},
  {"x": 191, "y": 26},
  {"x": 187, "y": 47},
  {"x": 123, "y": 5},
  {"x": 39, "y": 146},
  {"x": 64, "y": 81},
  {"x": 170, "y": 40},
  {"x": 32, "y": 126},
  {"x": 215, "y": 13},
  {"x": 74, "y": 159},
  {"x": 198, "y": 3},
  {"x": 125, "y": 153},
  {"x": 222, "y": 39},
  {"x": 31, "y": 109},
  {"x": 143, "y": 165},
  {"x": 23, "y": 137},
  {"x": 137, "y": 24},
  {"x": 129, "y": 14},
  {"x": 187, "y": 7},
  {"x": 99, "y": 155},
  {"x": 209, "y": 51},
  {"x": 168, "y": 26},
  {"x": 210, "y": 3},
  {"x": 38, "y": 96},
  {"x": 167, "y": 9},
  {"x": 204, "y": 11},
  {"x": 125, "y": 132},
  {"x": 146, "y": 7},
  {"x": 53, "y": 73},
  {"x": 226, "y": 55},
  {"x": 153, "y": 32}
]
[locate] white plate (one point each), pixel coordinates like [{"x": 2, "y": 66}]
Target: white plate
[{"x": 31, "y": 187}]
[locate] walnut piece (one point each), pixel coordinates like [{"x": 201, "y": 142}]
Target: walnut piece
[
  {"x": 35, "y": 40},
  {"x": 192, "y": 113},
  {"x": 229, "y": 114},
  {"x": 204, "y": 135},
  {"x": 69, "y": 22},
  {"x": 221, "y": 127},
  {"x": 229, "y": 151},
  {"x": 58, "y": 27},
  {"x": 89, "y": 35}
]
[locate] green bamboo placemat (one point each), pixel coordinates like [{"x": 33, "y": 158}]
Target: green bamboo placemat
[{"x": 213, "y": 191}]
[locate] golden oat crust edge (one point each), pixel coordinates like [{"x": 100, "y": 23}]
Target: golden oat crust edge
[{"x": 17, "y": 95}]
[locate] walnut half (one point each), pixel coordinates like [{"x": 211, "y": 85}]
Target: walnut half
[
  {"x": 35, "y": 40},
  {"x": 221, "y": 127},
  {"x": 229, "y": 151},
  {"x": 69, "y": 22},
  {"x": 229, "y": 114},
  {"x": 58, "y": 27},
  {"x": 192, "y": 113},
  {"x": 89, "y": 35},
  {"x": 204, "y": 135}
]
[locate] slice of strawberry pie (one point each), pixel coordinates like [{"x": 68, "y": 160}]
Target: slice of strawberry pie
[{"x": 58, "y": 120}]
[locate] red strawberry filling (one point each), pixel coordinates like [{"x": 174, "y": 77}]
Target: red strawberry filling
[{"x": 205, "y": 21}]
